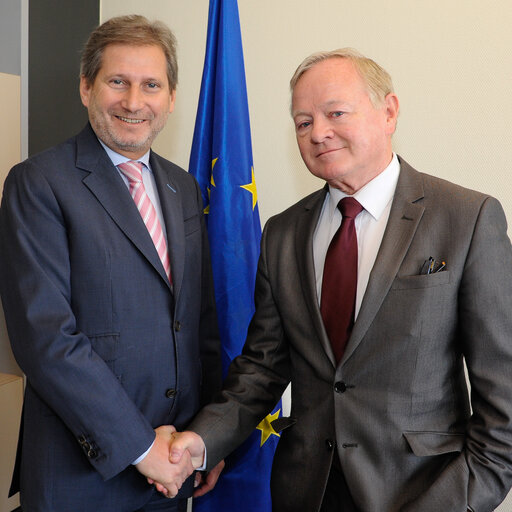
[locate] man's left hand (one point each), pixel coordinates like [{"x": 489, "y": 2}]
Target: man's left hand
[{"x": 205, "y": 482}]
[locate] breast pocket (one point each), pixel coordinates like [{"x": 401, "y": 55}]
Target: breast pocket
[
  {"x": 191, "y": 225},
  {"x": 421, "y": 281},
  {"x": 419, "y": 310}
]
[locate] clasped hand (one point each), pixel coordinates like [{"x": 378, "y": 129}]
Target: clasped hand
[{"x": 173, "y": 458}]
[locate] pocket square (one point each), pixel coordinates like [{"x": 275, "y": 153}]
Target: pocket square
[{"x": 432, "y": 266}]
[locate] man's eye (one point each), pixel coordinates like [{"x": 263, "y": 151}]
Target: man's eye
[
  {"x": 337, "y": 114},
  {"x": 153, "y": 85},
  {"x": 304, "y": 124},
  {"x": 116, "y": 82}
]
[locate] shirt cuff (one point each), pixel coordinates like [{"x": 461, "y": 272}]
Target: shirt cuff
[
  {"x": 203, "y": 467},
  {"x": 143, "y": 456}
]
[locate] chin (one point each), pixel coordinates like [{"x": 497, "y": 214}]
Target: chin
[
  {"x": 330, "y": 174},
  {"x": 130, "y": 145}
]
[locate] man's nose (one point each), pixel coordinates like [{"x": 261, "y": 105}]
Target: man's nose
[
  {"x": 320, "y": 130},
  {"x": 133, "y": 99}
]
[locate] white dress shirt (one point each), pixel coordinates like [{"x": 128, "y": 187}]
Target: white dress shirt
[{"x": 376, "y": 198}]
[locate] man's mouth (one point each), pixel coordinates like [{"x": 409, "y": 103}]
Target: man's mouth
[
  {"x": 129, "y": 120},
  {"x": 327, "y": 151}
]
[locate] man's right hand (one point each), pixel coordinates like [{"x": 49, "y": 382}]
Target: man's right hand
[
  {"x": 187, "y": 441},
  {"x": 156, "y": 465},
  {"x": 183, "y": 446}
]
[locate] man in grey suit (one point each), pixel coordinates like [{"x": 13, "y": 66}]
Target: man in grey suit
[
  {"x": 107, "y": 290},
  {"x": 389, "y": 424}
]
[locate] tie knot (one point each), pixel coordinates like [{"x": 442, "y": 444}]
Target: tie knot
[
  {"x": 350, "y": 207},
  {"x": 132, "y": 170}
]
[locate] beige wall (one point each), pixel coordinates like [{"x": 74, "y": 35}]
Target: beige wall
[
  {"x": 10, "y": 154},
  {"x": 10, "y": 135},
  {"x": 451, "y": 62}
]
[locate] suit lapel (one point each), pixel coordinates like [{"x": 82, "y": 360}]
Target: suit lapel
[
  {"x": 403, "y": 221},
  {"x": 107, "y": 186},
  {"x": 305, "y": 228},
  {"x": 170, "y": 201}
]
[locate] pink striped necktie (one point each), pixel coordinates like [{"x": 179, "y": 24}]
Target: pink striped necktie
[{"x": 133, "y": 172}]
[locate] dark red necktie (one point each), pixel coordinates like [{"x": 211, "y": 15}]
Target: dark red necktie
[{"x": 339, "y": 285}]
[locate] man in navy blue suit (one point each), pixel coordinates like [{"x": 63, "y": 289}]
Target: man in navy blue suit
[{"x": 107, "y": 291}]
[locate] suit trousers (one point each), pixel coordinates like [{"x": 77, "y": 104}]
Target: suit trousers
[
  {"x": 159, "y": 503},
  {"x": 337, "y": 497}
]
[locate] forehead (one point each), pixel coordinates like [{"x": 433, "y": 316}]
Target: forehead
[
  {"x": 334, "y": 79},
  {"x": 141, "y": 59}
]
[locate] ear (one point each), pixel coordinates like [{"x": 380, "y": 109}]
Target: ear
[
  {"x": 85, "y": 91},
  {"x": 392, "y": 107},
  {"x": 172, "y": 101}
]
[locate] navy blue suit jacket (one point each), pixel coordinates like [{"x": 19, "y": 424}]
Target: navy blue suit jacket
[{"x": 110, "y": 351}]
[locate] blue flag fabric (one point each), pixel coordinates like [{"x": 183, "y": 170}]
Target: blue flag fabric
[{"x": 221, "y": 160}]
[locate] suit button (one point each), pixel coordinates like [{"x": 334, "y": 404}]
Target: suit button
[
  {"x": 340, "y": 387},
  {"x": 330, "y": 444},
  {"x": 91, "y": 454},
  {"x": 177, "y": 326},
  {"x": 82, "y": 440},
  {"x": 170, "y": 393}
]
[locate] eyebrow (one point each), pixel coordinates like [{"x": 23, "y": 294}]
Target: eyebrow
[
  {"x": 299, "y": 113},
  {"x": 126, "y": 76},
  {"x": 334, "y": 102},
  {"x": 323, "y": 105}
]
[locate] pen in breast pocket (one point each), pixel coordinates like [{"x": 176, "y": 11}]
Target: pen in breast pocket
[{"x": 443, "y": 264}]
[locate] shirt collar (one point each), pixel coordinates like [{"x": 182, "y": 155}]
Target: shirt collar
[
  {"x": 375, "y": 195},
  {"x": 117, "y": 158}
]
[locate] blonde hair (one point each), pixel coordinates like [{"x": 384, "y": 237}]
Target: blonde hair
[{"x": 377, "y": 79}]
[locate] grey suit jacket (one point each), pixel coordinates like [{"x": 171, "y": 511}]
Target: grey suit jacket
[
  {"x": 109, "y": 350},
  {"x": 396, "y": 410}
]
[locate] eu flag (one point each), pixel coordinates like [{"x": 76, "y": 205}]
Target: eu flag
[{"x": 221, "y": 160}]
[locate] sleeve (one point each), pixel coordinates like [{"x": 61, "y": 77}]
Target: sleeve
[
  {"x": 486, "y": 333},
  {"x": 256, "y": 379},
  {"x": 57, "y": 358},
  {"x": 483, "y": 469}
]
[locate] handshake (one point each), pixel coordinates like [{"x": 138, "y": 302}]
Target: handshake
[{"x": 173, "y": 457}]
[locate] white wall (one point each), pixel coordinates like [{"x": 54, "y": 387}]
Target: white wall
[{"x": 451, "y": 62}]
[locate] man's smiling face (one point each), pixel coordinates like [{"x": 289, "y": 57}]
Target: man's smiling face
[
  {"x": 343, "y": 138},
  {"x": 130, "y": 99}
]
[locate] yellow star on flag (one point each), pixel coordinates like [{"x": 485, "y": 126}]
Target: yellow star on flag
[
  {"x": 266, "y": 426},
  {"x": 251, "y": 187},
  {"x": 206, "y": 211}
]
